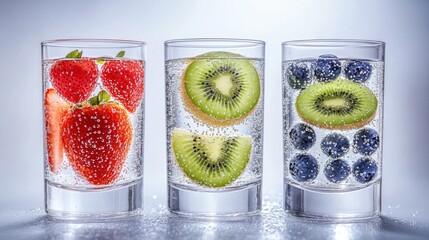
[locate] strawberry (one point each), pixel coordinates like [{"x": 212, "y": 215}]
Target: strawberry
[
  {"x": 74, "y": 78},
  {"x": 97, "y": 136},
  {"x": 124, "y": 79},
  {"x": 55, "y": 110}
]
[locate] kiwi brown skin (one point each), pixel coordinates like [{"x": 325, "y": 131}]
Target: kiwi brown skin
[
  {"x": 339, "y": 127},
  {"x": 191, "y": 107}
]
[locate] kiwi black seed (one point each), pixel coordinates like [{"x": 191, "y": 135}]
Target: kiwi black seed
[
  {"x": 221, "y": 88},
  {"x": 339, "y": 104},
  {"x": 211, "y": 160}
]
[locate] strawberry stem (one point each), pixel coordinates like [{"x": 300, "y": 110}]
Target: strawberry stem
[
  {"x": 102, "y": 97},
  {"x": 74, "y": 54}
]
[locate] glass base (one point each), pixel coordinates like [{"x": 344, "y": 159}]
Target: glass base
[
  {"x": 229, "y": 203},
  {"x": 333, "y": 206},
  {"x": 95, "y": 204}
]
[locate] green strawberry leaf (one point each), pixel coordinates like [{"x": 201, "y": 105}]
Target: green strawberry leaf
[
  {"x": 102, "y": 97},
  {"x": 100, "y": 61},
  {"x": 74, "y": 54},
  {"x": 93, "y": 101},
  {"x": 120, "y": 54}
]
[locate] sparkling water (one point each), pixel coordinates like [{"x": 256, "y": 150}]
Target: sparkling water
[
  {"x": 132, "y": 169},
  {"x": 179, "y": 117},
  {"x": 291, "y": 117}
]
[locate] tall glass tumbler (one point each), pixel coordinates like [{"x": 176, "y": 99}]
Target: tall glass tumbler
[
  {"x": 333, "y": 116},
  {"x": 215, "y": 96},
  {"x": 93, "y": 127}
]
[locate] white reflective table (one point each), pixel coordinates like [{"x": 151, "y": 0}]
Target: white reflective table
[{"x": 155, "y": 222}]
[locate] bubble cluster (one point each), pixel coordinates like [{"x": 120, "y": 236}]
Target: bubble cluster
[
  {"x": 178, "y": 116},
  {"x": 336, "y": 151},
  {"x": 100, "y": 138}
]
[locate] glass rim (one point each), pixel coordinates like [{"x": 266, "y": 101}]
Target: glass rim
[
  {"x": 334, "y": 43},
  {"x": 214, "y": 43},
  {"x": 86, "y": 43}
]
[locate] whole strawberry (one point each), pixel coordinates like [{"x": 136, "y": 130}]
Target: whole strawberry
[
  {"x": 124, "y": 79},
  {"x": 97, "y": 137},
  {"x": 55, "y": 110},
  {"x": 74, "y": 78}
]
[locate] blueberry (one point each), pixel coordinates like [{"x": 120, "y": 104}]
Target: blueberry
[
  {"x": 358, "y": 71},
  {"x": 304, "y": 168},
  {"x": 337, "y": 170},
  {"x": 335, "y": 145},
  {"x": 302, "y": 136},
  {"x": 366, "y": 141},
  {"x": 327, "y": 68},
  {"x": 365, "y": 169},
  {"x": 298, "y": 75}
]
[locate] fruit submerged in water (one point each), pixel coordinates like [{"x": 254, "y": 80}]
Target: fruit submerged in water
[
  {"x": 97, "y": 137},
  {"x": 74, "y": 78},
  {"x": 335, "y": 145},
  {"x": 327, "y": 68},
  {"x": 124, "y": 79},
  {"x": 304, "y": 168},
  {"x": 365, "y": 169},
  {"x": 221, "y": 88},
  {"x": 211, "y": 160},
  {"x": 366, "y": 141},
  {"x": 55, "y": 110},
  {"x": 302, "y": 136},
  {"x": 298, "y": 76},
  {"x": 358, "y": 70},
  {"x": 337, "y": 171},
  {"x": 339, "y": 104}
]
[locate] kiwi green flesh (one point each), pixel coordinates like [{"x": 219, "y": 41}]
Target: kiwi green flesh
[
  {"x": 339, "y": 104},
  {"x": 222, "y": 85},
  {"x": 211, "y": 161}
]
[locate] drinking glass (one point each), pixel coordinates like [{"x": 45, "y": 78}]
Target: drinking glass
[
  {"x": 332, "y": 128},
  {"x": 214, "y": 108},
  {"x": 93, "y": 110}
]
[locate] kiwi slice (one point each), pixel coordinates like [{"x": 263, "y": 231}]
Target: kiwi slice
[
  {"x": 210, "y": 160},
  {"x": 221, "y": 88},
  {"x": 339, "y": 104}
]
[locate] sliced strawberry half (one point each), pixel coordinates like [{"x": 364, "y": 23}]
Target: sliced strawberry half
[
  {"x": 55, "y": 110},
  {"x": 124, "y": 79}
]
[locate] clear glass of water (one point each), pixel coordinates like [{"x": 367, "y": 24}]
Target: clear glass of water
[
  {"x": 93, "y": 109},
  {"x": 332, "y": 123},
  {"x": 214, "y": 107}
]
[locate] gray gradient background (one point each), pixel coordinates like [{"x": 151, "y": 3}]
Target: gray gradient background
[{"x": 403, "y": 25}]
